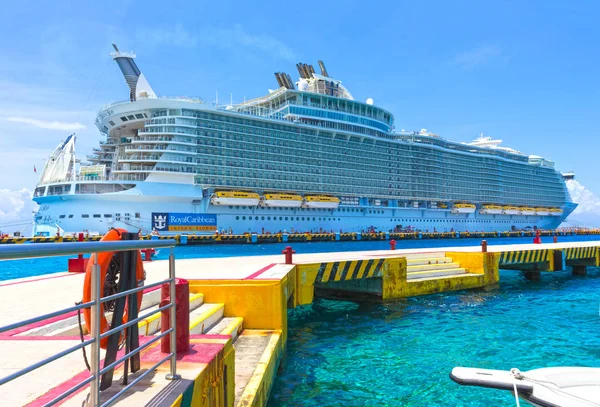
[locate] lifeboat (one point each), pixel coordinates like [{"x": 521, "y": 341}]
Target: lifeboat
[
  {"x": 442, "y": 206},
  {"x": 321, "y": 201},
  {"x": 527, "y": 211},
  {"x": 281, "y": 200},
  {"x": 491, "y": 210},
  {"x": 555, "y": 211},
  {"x": 463, "y": 208},
  {"x": 235, "y": 198},
  {"x": 542, "y": 211},
  {"x": 511, "y": 210}
]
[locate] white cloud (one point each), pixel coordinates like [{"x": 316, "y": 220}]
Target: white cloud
[
  {"x": 587, "y": 213},
  {"x": 45, "y": 124},
  {"x": 478, "y": 56},
  {"x": 218, "y": 37},
  {"x": 16, "y": 209}
]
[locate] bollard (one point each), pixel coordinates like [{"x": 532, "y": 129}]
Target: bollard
[
  {"x": 288, "y": 254},
  {"x": 484, "y": 246},
  {"x": 392, "y": 244},
  {"x": 537, "y": 239},
  {"x": 182, "y": 319},
  {"x": 79, "y": 264},
  {"x": 148, "y": 254},
  {"x": 555, "y": 239}
]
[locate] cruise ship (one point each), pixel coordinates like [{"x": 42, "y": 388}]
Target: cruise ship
[{"x": 305, "y": 157}]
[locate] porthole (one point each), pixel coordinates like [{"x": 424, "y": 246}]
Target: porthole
[
  {"x": 268, "y": 218},
  {"x": 281, "y": 218},
  {"x": 237, "y": 218},
  {"x": 243, "y": 218},
  {"x": 262, "y": 218},
  {"x": 286, "y": 218}
]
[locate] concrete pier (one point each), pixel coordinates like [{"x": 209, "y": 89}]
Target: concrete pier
[{"x": 238, "y": 314}]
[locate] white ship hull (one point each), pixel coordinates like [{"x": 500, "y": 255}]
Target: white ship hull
[
  {"x": 280, "y": 203},
  {"x": 133, "y": 210},
  {"x": 320, "y": 205},
  {"x": 234, "y": 201}
]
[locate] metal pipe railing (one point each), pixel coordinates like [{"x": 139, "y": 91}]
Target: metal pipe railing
[{"x": 61, "y": 249}]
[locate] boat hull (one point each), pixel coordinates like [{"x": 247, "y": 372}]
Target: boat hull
[
  {"x": 137, "y": 206},
  {"x": 491, "y": 211},
  {"x": 320, "y": 205},
  {"x": 234, "y": 201},
  {"x": 512, "y": 212},
  {"x": 280, "y": 203},
  {"x": 463, "y": 210}
]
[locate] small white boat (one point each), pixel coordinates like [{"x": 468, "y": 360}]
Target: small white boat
[
  {"x": 321, "y": 201},
  {"x": 235, "y": 198},
  {"x": 542, "y": 211},
  {"x": 281, "y": 200},
  {"x": 546, "y": 387},
  {"x": 512, "y": 210},
  {"x": 527, "y": 211},
  {"x": 491, "y": 210},
  {"x": 463, "y": 208}
]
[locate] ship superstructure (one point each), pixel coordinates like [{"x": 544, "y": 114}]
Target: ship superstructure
[{"x": 305, "y": 157}]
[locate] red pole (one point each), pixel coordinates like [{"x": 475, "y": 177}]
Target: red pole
[
  {"x": 484, "y": 246},
  {"x": 182, "y": 319},
  {"x": 288, "y": 254}
]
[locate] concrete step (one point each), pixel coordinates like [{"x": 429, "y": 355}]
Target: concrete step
[
  {"x": 430, "y": 255},
  {"x": 150, "y": 302},
  {"x": 427, "y": 267},
  {"x": 228, "y": 326},
  {"x": 206, "y": 316},
  {"x": 151, "y": 325},
  {"x": 428, "y": 260},
  {"x": 254, "y": 352},
  {"x": 431, "y": 274},
  {"x": 449, "y": 276}
]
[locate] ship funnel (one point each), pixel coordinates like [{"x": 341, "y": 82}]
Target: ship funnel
[
  {"x": 138, "y": 85},
  {"x": 323, "y": 69},
  {"x": 279, "y": 81}
]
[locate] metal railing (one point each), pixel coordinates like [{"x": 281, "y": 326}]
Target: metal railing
[{"x": 65, "y": 249}]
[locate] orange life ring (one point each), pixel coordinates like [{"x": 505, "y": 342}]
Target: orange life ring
[{"x": 104, "y": 260}]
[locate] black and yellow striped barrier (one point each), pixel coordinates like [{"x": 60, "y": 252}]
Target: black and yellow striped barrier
[
  {"x": 524, "y": 257},
  {"x": 349, "y": 270},
  {"x": 580, "y": 253}
]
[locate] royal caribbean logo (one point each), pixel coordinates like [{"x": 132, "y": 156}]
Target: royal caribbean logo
[
  {"x": 184, "y": 222},
  {"x": 160, "y": 221}
]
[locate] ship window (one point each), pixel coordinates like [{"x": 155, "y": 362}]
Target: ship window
[
  {"x": 96, "y": 215},
  {"x": 139, "y": 116},
  {"x": 123, "y": 118},
  {"x": 262, "y": 218},
  {"x": 107, "y": 215},
  {"x": 145, "y": 115},
  {"x": 237, "y": 218},
  {"x": 111, "y": 122},
  {"x": 62, "y": 216},
  {"x": 243, "y": 218},
  {"x": 137, "y": 214},
  {"x": 70, "y": 216},
  {"x": 268, "y": 218},
  {"x": 130, "y": 117},
  {"x": 85, "y": 216},
  {"x": 286, "y": 218}
]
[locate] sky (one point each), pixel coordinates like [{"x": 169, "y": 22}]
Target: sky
[{"x": 522, "y": 72}]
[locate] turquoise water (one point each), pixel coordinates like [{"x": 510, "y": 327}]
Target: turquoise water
[
  {"x": 35, "y": 267},
  {"x": 400, "y": 354}
]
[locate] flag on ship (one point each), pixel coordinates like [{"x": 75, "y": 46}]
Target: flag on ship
[{"x": 34, "y": 169}]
